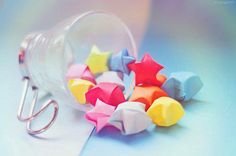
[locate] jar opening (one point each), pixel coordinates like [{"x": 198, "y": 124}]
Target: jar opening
[{"x": 102, "y": 29}]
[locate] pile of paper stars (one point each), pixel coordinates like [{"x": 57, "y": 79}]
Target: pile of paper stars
[{"x": 155, "y": 98}]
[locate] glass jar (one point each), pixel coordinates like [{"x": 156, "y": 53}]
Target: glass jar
[{"x": 46, "y": 56}]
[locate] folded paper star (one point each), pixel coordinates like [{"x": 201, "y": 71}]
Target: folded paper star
[
  {"x": 165, "y": 111},
  {"x": 100, "y": 114},
  {"x": 109, "y": 93},
  {"x": 146, "y": 70},
  {"x": 78, "y": 88},
  {"x": 98, "y": 61},
  {"x": 130, "y": 118},
  {"x": 147, "y": 94},
  {"x": 120, "y": 61},
  {"x": 80, "y": 71},
  {"x": 161, "y": 78},
  {"x": 112, "y": 77},
  {"x": 182, "y": 86}
]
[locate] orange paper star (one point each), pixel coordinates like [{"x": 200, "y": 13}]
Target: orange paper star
[{"x": 147, "y": 94}]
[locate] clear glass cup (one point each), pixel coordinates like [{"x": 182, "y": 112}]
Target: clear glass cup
[{"x": 48, "y": 54}]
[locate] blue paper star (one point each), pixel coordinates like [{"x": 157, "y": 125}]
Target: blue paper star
[
  {"x": 182, "y": 86},
  {"x": 120, "y": 61}
]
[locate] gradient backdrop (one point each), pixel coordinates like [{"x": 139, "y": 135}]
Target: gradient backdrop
[{"x": 198, "y": 36}]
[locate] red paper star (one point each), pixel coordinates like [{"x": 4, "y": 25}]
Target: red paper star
[{"x": 146, "y": 70}]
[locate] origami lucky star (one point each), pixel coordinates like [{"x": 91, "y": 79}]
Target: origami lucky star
[
  {"x": 80, "y": 71},
  {"x": 78, "y": 88},
  {"x": 165, "y": 111},
  {"x": 100, "y": 114},
  {"x": 147, "y": 94},
  {"x": 146, "y": 71},
  {"x": 109, "y": 93},
  {"x": 182, "y": 86},
  {"x": 98, "y": 61},
  {"x": 161, "y": 78},
  {"x": 120, "y": 61},
  {"x": 130, "y": 118},
  {"x": 112, "y": 77}
]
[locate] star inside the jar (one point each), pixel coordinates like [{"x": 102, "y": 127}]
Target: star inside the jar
[
  {"x": 120, "y": 61},
  {"x": 98, "y": 61},
  {"x": 146, "y": 70}
]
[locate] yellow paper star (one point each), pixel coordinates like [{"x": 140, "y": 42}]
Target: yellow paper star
[
  {"x": 98, "y": 61},
  {"x": 78, "y": 88},
  {"x": 165, "y": 111}
]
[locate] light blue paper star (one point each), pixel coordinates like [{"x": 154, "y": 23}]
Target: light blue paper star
[
  {"x": 120, "y": 61},
  {"x": 182, "y": 86}
]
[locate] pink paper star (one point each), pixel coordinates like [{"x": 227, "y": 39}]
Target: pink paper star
[
  {"x": 80, "y": 71},
  {"x": 146, "y": 70},
  {"x": 100, "y": 115},
  {"x": 109, "y": 93}
]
